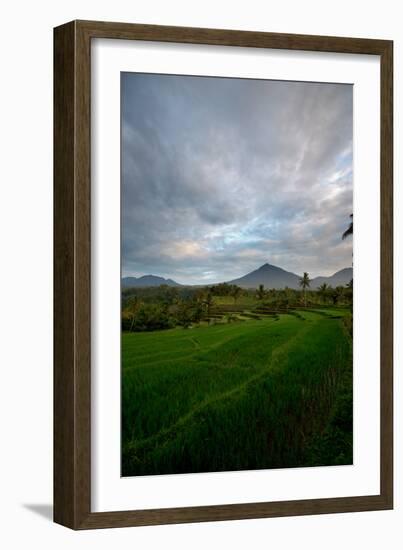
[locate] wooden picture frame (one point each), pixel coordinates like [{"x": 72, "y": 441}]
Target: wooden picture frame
[{"x": 72, "y": 269}]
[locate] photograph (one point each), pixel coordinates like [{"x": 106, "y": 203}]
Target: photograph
[{"x": 236, "y": 274}]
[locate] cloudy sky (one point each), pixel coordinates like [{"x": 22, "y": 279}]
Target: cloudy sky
[{"x": 220, "y": 176}]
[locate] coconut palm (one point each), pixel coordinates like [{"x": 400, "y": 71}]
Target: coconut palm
[
  {"x": 349, "y": 230},
  {"x": 305, "y": 282}
]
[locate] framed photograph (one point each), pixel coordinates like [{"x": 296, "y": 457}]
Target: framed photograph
[{"x": 222, "y": 275}]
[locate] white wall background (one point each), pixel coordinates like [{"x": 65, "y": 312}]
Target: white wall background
[{"x": 26, "y": 272}]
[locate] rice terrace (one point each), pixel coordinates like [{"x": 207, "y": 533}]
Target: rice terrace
[
  {"x": 236, "y": 274},
  {"x": 229, "y": 377}
]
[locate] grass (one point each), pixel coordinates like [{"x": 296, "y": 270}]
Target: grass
[{"x": 268, "y": 393}]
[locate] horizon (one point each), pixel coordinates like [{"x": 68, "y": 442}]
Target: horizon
[
  {"x": 217, "y": 172},
  {"x": 233, "y": 278}
]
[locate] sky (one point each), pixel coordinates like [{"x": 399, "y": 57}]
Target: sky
[{"x": 222, "y": 175}]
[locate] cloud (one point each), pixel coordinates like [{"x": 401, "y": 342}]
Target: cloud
[{"x": 221, "y": 175}]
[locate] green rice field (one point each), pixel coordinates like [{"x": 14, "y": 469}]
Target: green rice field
[{"x": 267, "y": 391}]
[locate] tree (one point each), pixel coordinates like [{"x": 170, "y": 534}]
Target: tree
[
  {"x": 349, "y": 230},
  {"x": 209, "y": 301},
  {"x": 289, "y": 296},
  {"x": 197, "y": 308},
  {"x": 323, "y": 291},
  {"x": 333, "y": 295},
  {"x": 305, "y": 282},
  {"x": 260, "y": 293},
  {"x": 170, "y": 295},
  {"x": 337, "y": 294},
  {"x": 200, "y": 295},
  {"x": 132, "y": 308},
  {"x": 184, "y": 314},
  {"x": 152, "y": 317},
  {"x": 236, "y": 292}
]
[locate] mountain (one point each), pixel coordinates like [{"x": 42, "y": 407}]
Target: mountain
[
  {"x": 270, "y": 276},
  {"x": 147, "y": 280},
  {"x": 340, "y": 278}
]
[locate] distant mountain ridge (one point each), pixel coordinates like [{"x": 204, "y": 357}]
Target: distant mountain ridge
[
  {"x": 272, "y": 276},
  {"x": 147, "y": 280},
  {"x": 341, "y": 277},
  {"x": 268, "y": 275}
]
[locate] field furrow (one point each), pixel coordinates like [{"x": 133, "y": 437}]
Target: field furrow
[{"x": 229, "y": 396}]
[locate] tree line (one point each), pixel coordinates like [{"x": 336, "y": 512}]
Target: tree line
[{"x": 158, "y": 308}]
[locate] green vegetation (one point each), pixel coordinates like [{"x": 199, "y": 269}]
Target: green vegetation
[
  {"x": 304, "y": 283},
  {"x": 349, "y": 230},
  {"x": 164, "y": 307},
  {"x": 222, "y": 378}
]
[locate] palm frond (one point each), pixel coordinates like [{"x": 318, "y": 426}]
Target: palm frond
[{"x": 349, "y": 230}]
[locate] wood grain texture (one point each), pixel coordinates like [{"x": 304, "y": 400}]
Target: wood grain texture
[
  {"x": 72, "y": 269},
  {"x": 220, "y": 37},
  {"x": 72, "y": 296},
  {"x": 387, "y": 273},
  {"x": 64, "y": 382}
]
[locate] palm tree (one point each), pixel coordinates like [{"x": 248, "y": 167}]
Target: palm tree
[
  {"x": 349, "y": 230},
  {"x": 260, "y": 293},
  {"x": 304, "y": 282}
]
